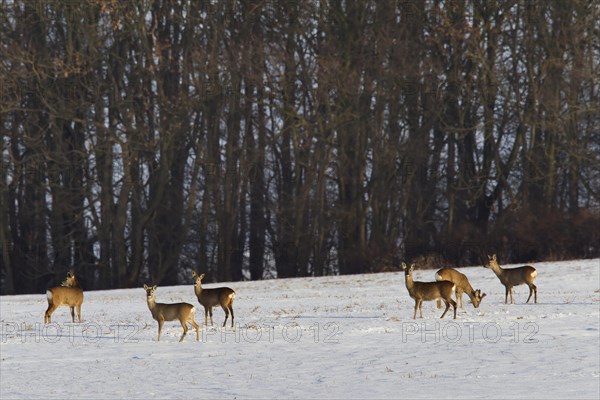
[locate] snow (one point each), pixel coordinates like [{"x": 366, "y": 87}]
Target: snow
[{"x": 331, "y": 337}]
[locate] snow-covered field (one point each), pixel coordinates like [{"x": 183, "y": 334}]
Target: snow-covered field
[{"x": 332, "y": 337}]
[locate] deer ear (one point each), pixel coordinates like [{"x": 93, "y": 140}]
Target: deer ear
[
  {"x": 193, "y": 274},
  {"x": 154, "y": 287},
  {"x": 494, "y": 257},
  {"x": 201, "y": 276},
  {"x": 483, "y": 295},
  {"x": 145, "y": 287},
  {"x": 403, "y": 265}
]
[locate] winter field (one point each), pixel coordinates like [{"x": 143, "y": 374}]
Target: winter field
[{"x": 332, "y": 337}]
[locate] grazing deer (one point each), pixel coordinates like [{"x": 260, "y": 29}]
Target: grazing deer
[
  {"x": 210, "y": 298},
  {"x": 428, "y": 291},
  {"x": 462, "y": 286},
  {"x": 161, "y": 312},
  {"x": 514, "y": 277},
  {"x": 69, "y": 294}
]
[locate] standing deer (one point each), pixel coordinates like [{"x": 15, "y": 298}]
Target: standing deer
[
  {"x": 210, "y": 298},
  {"x": 462, "y": 286},
  {"x": 69, "y": 294},
  {"x": 514, "y": 277},
  {"x": 427, "y": 291},
  {"x": 161, "y": 312}
]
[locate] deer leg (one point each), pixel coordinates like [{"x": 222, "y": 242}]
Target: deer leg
[
  {"x": 439, "y": 303},
  {"x": 185, "y": 329},
  {"x": 205, "y": 316},
  {"x": 48, "y": 315},
  {"x": 512, "y": 301},
  {"x": 416, "y": 306},
  {"x": 506, "y": 295},
  {"x": 231, "y": 309},
  {"x": 160, "y": 324},
  {"x": 447, "y": 307},
  {"x": 532, "y": 290},
  {"x": 197, "y": 327},
  {"x": 454, "y": 305},
  {"x": 211, "y": 319},
  {"x": 534, "y": 294},
  {"x": 226, "y": 315},
  {"x": 79, "y": 313},
  {"x": 73, "y": 313},
  {"x": 448, "y": 303},
  {"x": 421, "y": 308},
  {"x": 459, "y": 301}
]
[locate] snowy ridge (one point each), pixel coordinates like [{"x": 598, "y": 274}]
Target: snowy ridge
[{"x": 341, "y": 337}]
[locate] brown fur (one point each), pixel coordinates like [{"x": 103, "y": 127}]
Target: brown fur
[
  {"x": 427, "y": 291},
  {"x": 210, "y": 298},
  {"x": 161, "y": 312},
  {"x": 514, "y": 277},
  {"x": 69, "y": 294},
  {"x": 462, "y": 286}
]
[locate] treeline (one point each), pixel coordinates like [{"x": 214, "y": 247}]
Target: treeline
[{"x": 252, "y": 139}]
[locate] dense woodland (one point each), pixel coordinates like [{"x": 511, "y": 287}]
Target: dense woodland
[{"x": 145, "y": 139}]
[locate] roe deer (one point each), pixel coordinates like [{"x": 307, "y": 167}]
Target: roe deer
[
  {"x": 69, "y": 294},
  {"x": 427, "y": 291},
  {"x": 514, "y": 277},
  {"x": 161, "y": 312},
  {"x": 462, "y": 286},
  {"x": 210, "y": 298}
]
